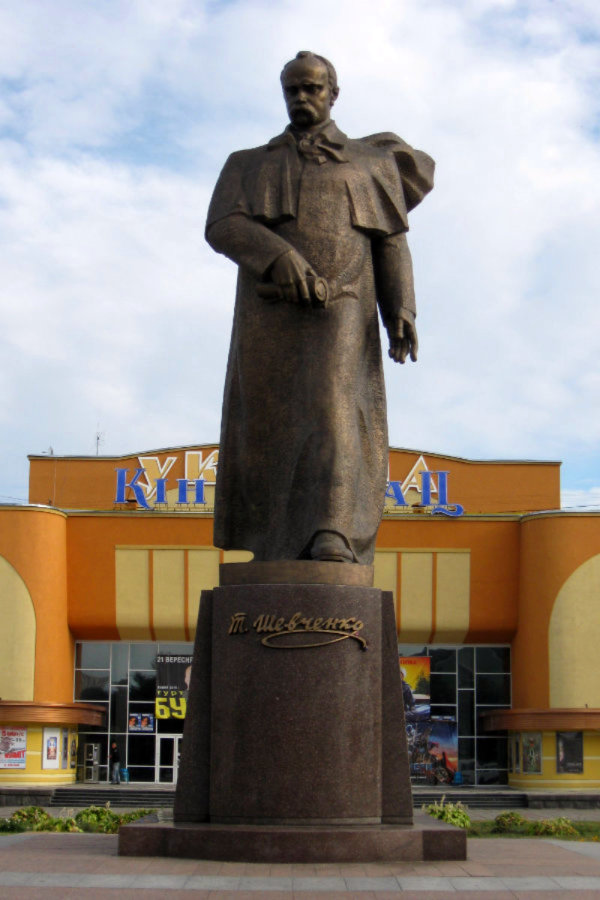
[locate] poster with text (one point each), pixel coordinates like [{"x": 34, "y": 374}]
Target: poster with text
[
  {"x": 569, "y": 752},
  {"x": 13, "y": 748},
  {"x": 415, "y": 672},
  {"x": 173, "y": 674},
  {"x": 141, "y": 722},
  {"x": 531, "y": 753},
  {"x": 433, "y": 750},
  {"x": 51, "y": 743}
]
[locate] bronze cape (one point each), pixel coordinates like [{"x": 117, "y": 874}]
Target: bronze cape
[{"x": 304, "y": 444}]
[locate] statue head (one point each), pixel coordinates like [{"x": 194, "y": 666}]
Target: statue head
[{"x": 310, "y": 89}]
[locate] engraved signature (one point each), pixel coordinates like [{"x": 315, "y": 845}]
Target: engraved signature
[{"x": 277, "y": 628}]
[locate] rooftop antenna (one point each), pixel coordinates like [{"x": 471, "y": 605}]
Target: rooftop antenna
[{"x": 99, "y": 440}]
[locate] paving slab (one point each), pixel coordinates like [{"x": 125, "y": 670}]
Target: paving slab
[{"x": 63, "y": 866}]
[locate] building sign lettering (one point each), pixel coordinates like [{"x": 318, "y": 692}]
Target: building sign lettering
[{"x": 149, "y": 487}]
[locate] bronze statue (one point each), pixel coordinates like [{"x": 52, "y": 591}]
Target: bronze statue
[{"x": 316, "y": 223}]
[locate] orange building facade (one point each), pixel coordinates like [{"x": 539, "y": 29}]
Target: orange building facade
[{"x": 495, "y": 590}]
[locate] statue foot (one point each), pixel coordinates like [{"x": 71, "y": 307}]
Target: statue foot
[{"x": 329, "y": 546}]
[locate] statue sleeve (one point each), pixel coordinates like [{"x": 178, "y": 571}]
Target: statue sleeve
[
  {"x": 248, "y": 243},
  {"x": 392, "y": 264},
  {"x": 231, "y": 228}
]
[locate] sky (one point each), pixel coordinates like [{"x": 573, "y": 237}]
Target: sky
[{"x": 116, "y": 117}]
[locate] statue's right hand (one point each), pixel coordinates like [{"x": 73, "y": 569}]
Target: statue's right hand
[{"x": 289, "y": 272}]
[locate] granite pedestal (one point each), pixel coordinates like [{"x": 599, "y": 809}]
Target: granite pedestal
[{"x": 294, "y": 746}]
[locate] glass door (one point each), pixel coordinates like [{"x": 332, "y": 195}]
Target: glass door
[{"x": 167, "y": 758}]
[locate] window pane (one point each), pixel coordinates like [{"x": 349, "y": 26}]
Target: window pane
[
  {"x": 118, "y": 709},
  {"x": 141, "y": 774},
  {"x": 412, "y": 650},
  {"x": 491, "y": 776},
  {"x": 140, "y": 751},
  {"x": 492, "y": 753},
  {"x": 142, "y": 686},
  {"x": 443, "y": 659},
  {"x": 92, "y": 655},
  {"x": 99, "y": 729},
  {"x": 493, "y": 659},
  {"x": 91, "y": 685},
  {"x": 142, "y": 656},
  {"x": 119, "y": 664},
  {"x": 466, "y": 753},
  {"x": 180, "y": 648},
  {"x": 493, "y": 689},
  {"x": 500, "y": 732},
  {"x": 443, "y": 689},
  {"x": 466, "y": 661},
  {"x": 466, "y": 713},
  {"x": 438, "y": 711}
]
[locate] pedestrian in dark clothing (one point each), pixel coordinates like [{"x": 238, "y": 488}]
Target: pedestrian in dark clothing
[{"x": 115, "y": 764}]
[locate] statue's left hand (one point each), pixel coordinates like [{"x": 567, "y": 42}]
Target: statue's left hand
[{"x": 403, "y": 340}]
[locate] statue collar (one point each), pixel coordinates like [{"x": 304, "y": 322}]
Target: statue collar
[{"x": 329, "y": 138}]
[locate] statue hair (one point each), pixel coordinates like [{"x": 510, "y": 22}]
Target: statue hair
[{"x": 331, "y": 73}]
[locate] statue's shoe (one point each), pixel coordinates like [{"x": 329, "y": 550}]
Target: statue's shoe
[{"x": 328, "y": 546}]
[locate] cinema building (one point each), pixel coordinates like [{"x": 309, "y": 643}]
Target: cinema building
[{"x": 497, "y": 606}]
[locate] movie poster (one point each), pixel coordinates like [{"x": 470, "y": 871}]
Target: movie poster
[
  {"x": 65, "y": 749},
  {"x": 433, "y": 750},
  {"x": 569, "y": 752},
  {"x": 531, "y": 753},
  {"x": 416, "y": 693},
  {"x": 141, "y": 722},
  {"x": 173, "y": 674},
  {"x": 51, "y": 748},
  {"x": 13, "y": 748}
]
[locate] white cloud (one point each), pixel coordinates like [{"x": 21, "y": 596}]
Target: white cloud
[
  {"x": 581, "y": 499},
  {"x": 117, "y": 117}
]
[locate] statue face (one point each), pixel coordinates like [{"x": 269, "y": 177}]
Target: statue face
[{"x": 307, "y": 94}]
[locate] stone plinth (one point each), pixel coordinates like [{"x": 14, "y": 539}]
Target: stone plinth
[
  {"x": 294, "y": 746},
  {"x": 286, "y": 719},
  {"x": 426, "y": 839}
]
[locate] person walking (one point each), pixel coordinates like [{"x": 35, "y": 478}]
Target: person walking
[{"x": 115, "y": 764}]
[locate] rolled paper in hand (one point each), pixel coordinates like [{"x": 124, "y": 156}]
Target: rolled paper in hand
[{"x": 317, "y": 287}]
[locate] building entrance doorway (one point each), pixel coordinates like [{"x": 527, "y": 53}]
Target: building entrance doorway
[{"x": 167, "y": 758}]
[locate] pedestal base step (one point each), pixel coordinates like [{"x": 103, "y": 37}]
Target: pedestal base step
[{"x": 426, "y": 839}]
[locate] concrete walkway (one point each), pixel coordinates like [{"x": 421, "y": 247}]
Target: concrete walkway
[{"x": 86, "y": 866}]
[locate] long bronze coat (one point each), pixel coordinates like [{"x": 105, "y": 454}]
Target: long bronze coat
[{"x": 304, "y": 442}]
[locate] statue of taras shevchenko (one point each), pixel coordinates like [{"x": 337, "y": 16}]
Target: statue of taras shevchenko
[{"x": 316, "y": 223}]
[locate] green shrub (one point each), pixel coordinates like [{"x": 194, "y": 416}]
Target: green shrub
[
  {"x": 9, "y": 825},
  {"x": 65, "y": 825},
  {"x": 33, "y": 818},
  {"x": 103, "y": 819},
  {"x": 126, "y": 818},
  {"x": 507, "y": 822},
  {"x": 100, "y": 819},
  {"x": 452, "y": 813},
  {"x": 560, "y": 827}
]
